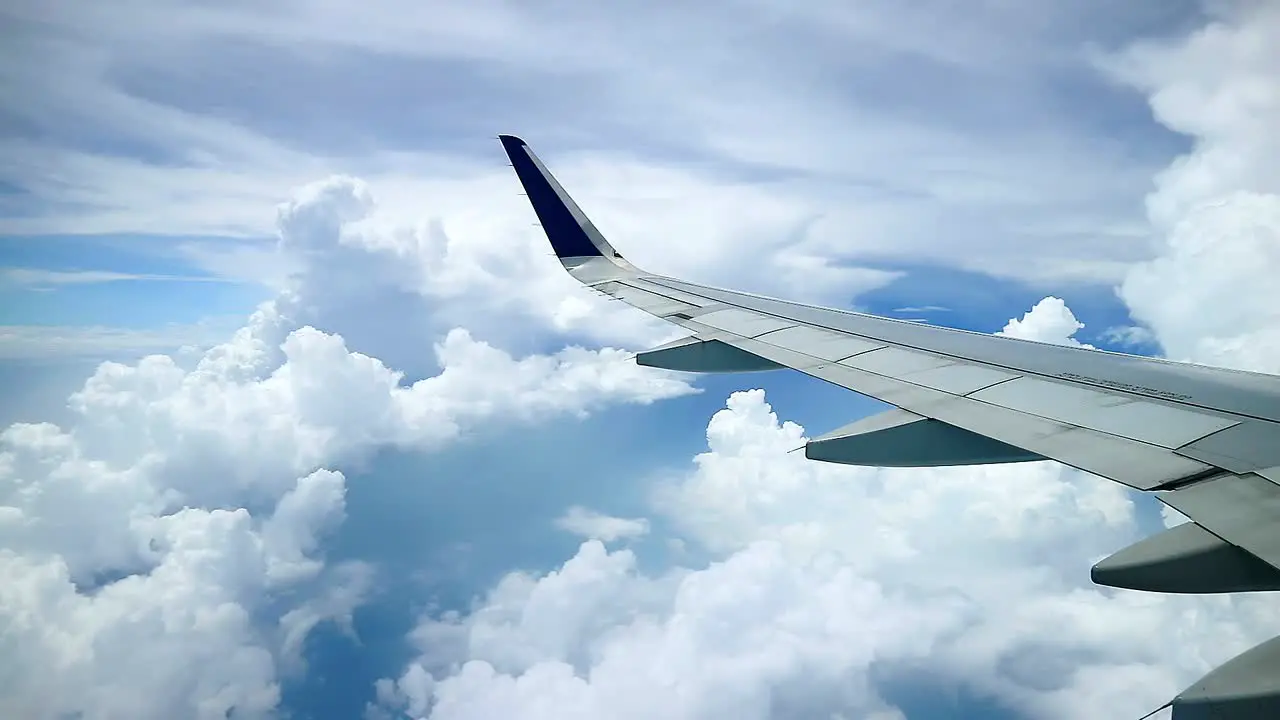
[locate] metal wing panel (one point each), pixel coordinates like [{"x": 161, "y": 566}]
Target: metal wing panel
[
  {"x": 1112, "y": 413},
  {"x": 743, "y": 322},
  {"x": 650, "y": 302},
  {"x": 959, "y": 378},
  {"x": 825, "y": 344},
  {"x": 895, "y": 391},
  {"x": 1252, "y": 446},
  {"x": 1229, "y": 391},
  {"x": 682, "y": 296},
  {"x": 896, "y": 361},
  {"x": 789, "y": 357},
  {"x": 1106, "y": 432},
  {"x": 1139, "y": 465}
]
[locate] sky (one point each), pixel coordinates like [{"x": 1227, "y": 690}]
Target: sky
[{"x": 303, "y": 420}]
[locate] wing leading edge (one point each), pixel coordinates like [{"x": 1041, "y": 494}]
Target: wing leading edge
[{"x": 1205, "y": 441}]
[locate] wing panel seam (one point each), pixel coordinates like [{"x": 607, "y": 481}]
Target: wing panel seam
[{"x": 988, "y": 387}]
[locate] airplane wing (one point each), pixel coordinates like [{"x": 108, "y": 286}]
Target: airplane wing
[{"x": 1204, "y": 440}]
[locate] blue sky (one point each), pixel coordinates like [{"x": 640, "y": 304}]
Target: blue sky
[{"x": 372, "y": 398}]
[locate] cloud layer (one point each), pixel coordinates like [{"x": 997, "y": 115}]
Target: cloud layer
[
  {"x": 903, "y": 134},
  {"x": 163, "y": 554},
  {"x": 829, "y": 582}
]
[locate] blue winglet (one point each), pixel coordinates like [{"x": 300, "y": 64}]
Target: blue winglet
[{"x": 570, "y": 232}]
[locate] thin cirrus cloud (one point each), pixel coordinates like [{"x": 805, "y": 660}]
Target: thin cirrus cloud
[
  {"x": 871, "y": 134},
  {"x": 38, "y": 277}
]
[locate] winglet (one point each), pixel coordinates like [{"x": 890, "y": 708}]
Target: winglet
[{"x": 570, "y": 232}]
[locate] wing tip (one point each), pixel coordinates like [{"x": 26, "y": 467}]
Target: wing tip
[{"x": 511, "y": 141}]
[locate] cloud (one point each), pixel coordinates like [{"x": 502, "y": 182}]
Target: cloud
[
  {"x": 34, "y": 342},
  {"x": 336, "y": 602},
  {"x": 1129, "y": 335},
  {"x": 920, "y": 134},
  {"x": 606, "y": 528},
  {"x": 921, "y": 309},
  {"x": 163, "y": 552},
  {"x": 1209, "y": 293},
  {"x": 51, "y": 278},
  {"x": 1048, "y": 321},
  {"x": 493, "y": 269},
  {"x": 176, "y": 639},
  {"x": 197, "y": 484},
  {"x": 826, "y": 581}
]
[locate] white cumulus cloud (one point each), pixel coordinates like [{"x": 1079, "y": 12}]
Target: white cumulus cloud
[
  {"x": 825, "y": 581},
  {"x": 1210, "y": 293},
  {"x": 176, "y": 636},
  {"x": 1048, "y": 321},
  {"x": 162, "y": 553}
]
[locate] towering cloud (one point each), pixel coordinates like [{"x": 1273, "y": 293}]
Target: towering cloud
[{"x": 150, "y": 546}]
